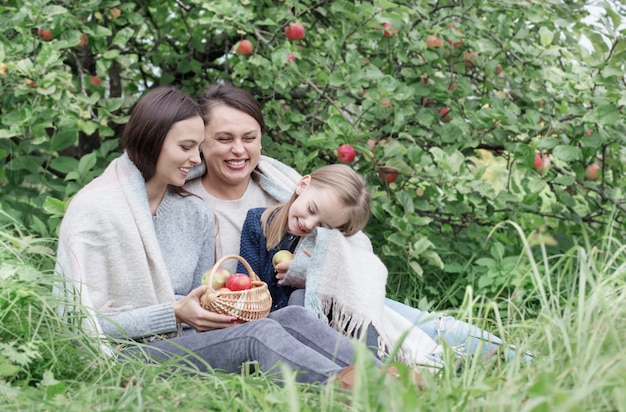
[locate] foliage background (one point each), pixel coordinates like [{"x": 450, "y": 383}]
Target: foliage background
[{"x": 529, "y": 89}]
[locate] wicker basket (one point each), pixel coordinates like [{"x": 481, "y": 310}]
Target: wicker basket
[{"x": 245, "y": 305}]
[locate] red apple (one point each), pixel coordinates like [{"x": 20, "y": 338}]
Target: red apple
[
  {"x": 589, "y": 132},
  {"x": 222, "y": 290},
  {"x": 498, "y": 69},
  {"x": 470, "y": 59},
  {"x": 238, "y": 281},
  {"x": 291, "y": 58},
  {"x": 389, "y": 30},
  {"x": 244, "y": 48},
  {"x": 83, "y": 40},
  {"x": 434, "y": 41},
  {"x": 96, "y": 80},
  {"x": 116, "y": 12},
  {"x": 45, "y": 34},
  {"x": 387, "y": 103},
  {"x": 592, "y": 172},
  {"x": 452, "y": 87},
  {"x": 346, "y": 153},
  {"x": 455, "y": 44},
  {"x": 445, "y": 114},
  {"x": 295, "y": 31},
  {"x": 388, "y": 174},
  {"x": 542, "y": 163}
]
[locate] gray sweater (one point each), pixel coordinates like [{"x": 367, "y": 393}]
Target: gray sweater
[
  {"x": 125, "y": 267},
  {"x": 184, "y": 229}
]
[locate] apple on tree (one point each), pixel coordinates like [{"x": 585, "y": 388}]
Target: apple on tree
[
  {"x": 434, "y": 41},
  {"x": 83, "y": 40},
  {"x": 389, "y": 30},
  {"x": 238, "y": 281},
  {"x": 470, "y": 59},
  {"x": 444, "y": 113},
  {"x": 45, "y": 34},
  {"x": 295, "y": 31},
  {"x": 542, "y": 163},
  {"x": 388, "y": 174},
  {"x": 244, "y": 48},
  {"x": 455, "y": 44},
  {"x": 592, "y": 172},
  {"x": 346, "y": 153}
]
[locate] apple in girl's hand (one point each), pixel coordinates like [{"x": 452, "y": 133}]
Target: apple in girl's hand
[
  {"x": 219, "y": 278},
  {"x": 280, "y": 257},
  {"x": 238, "y": 281}
]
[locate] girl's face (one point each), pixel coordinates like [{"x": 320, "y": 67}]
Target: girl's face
[
  {"x": 314, "y": 207},
  {"x": 232, "y": 147},
  {"x": 180, "y": 152}
]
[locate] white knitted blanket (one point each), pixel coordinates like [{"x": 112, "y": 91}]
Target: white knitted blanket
[
  {"x": 121, "y": 250},
  {"x": 346, "y": 281}
]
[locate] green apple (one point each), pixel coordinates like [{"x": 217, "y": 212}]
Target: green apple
[
  {"x": 282, "y": 256},
  {"x": 219, "y": 278}
]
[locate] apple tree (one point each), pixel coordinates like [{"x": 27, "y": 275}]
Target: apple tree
[{"x": 447, "y": 105}]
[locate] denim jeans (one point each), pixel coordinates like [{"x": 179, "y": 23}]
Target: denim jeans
[
  {"x": 463, "y": 337},
  {"x": 291, "y": 335}
]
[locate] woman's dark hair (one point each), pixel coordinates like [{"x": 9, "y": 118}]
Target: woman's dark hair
[
  {"x": 234, "y": 97},
  {"x": 151, "y": 119}
]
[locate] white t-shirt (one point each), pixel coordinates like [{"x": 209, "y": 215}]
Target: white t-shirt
[{"x": 230, "y": 215}]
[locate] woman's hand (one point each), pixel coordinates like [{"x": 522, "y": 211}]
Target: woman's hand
[{"x": 189, "y": 311}]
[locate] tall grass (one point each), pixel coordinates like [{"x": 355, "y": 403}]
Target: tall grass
[{"x": 573, "y": 320}]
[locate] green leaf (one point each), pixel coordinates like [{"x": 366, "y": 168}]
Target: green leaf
[
  {"x": 63, "y": 139},
  {"x": 88, "y": 127},
  {"x": 64, "y": 164},
  {"x": 545, "y": 36},
  {"x": 86, "y": 163},
  {"x": 417, "y": 268},
  {"x": 54, "y": 207},
  {"x": 5, "y": 133},
  {"x": 605, "y": 114},
  {"x": 567, "y": 153},
  {"x": 122, "y": 37},
  {"x": 53, "y": 10}
]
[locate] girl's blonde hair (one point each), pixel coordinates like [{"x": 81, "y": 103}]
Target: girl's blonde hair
[{"x": 349, "y": 187}]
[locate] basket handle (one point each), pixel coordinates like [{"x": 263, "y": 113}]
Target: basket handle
[{"x": 253, "y": 276}]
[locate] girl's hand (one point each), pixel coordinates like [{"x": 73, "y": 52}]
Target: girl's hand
[
  {"x": 188, "y": 310},
  {"x": 283, "y": 267}
]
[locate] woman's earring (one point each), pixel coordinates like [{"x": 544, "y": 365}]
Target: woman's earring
[{"x": 260, "y": 147}]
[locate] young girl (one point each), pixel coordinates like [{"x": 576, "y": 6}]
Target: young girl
[{"x": 333, "y": 196}]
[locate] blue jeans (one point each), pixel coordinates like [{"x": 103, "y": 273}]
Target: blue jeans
[
  {"x": 291, "y": 336},
  {"x": 463, "y": 337}
]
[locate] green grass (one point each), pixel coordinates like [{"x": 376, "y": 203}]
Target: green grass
[{"x": 573, "y": 319}]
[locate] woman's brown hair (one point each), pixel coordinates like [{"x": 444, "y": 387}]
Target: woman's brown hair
[
  {"x": 150, "y": 120},
  {"x": 234, "y": 97}
]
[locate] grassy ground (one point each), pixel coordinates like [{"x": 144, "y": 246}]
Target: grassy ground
[{"x": 573, "y": 320}]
